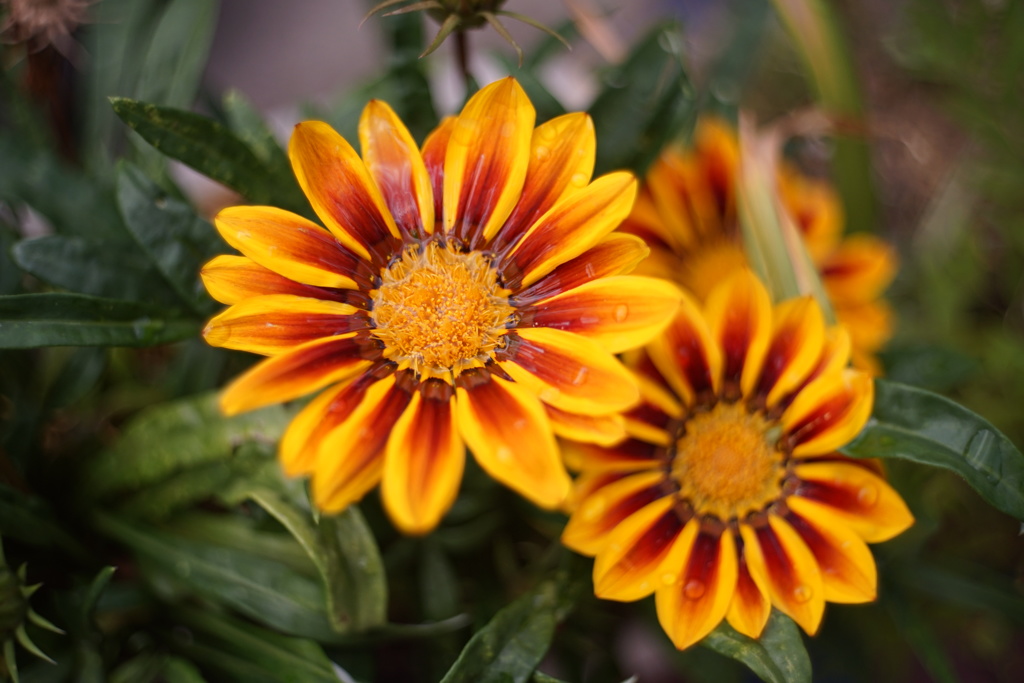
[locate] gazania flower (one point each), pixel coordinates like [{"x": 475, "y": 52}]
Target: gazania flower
[
  {"x": 686, "y": 211},
  {"x": 729, "y": 497},
  {"x": 465, "y": 294}
]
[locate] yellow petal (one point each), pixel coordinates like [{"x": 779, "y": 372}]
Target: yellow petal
[
  {"x": 829, "y": 412},
  {"x": 686, "y": 354},
  {"x": 603, "y": 430},
  {"x": 601, "y": 508},
  {"x": 739, "y": 317},
  {"x": 795, "y": 347},
  {"x": 847, "y": 566},
  {"x": 230, "y": 279}
]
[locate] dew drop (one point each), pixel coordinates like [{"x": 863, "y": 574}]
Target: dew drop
[
  {"x": 504, "y": 454},
  {"x": 520, "y": 424},
  {"x": 579, "y": 179},
  {"x": 589, "y": 270},
  {"x": 867, "y": 495},
  {"x": 549, "y": 394},
  {"x": 982, "y": 453},
  {"x": 593, "y": 508},
  {"x": 581, "y": 376},
  {"x": 621, "y": 311},
  {"x": 668, "y": 578},
  {"x": 694, "y": 589},
  {"x": 802, "y": 593}
]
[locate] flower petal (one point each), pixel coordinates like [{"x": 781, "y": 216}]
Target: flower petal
[
  {"x": 341, "y": 190},
  {"x": 562, "y": 153},
  {"x": 692, "y": 607},
  {"x": 605, "y": 501},
  {"x": 485, "y": 165},
  {"x": 750, "y": 607},
  {"x": 829, "y": 412},
  {"x": 620, "y": 313},
  {"x": 614, "y": 255},
  {"x": 424, "y": 461},
  {"x": 435, "y": 147},
  {"x": 847, "y": 566},
  {"x": 739, "y": 317},
  {"x": 394, "y": 162},
  {"x": 630, "y": 455},
  {"x": 350, "y": 458},
  {"x": 292, "y": 246},
  {"x": 785, "y": 566},
  {"x": 859, "y": 270},
  {"x": 650, "y": 419},
  {"x": 573, "y": 225},
  {"x": 864, "y": 501},
  {"x": 795, "y": 347},
  {"x": 627, "y": 568},
  {"x": 686, "y": 355},
  {"x": 299, "y": 371},
  {"x": 229, "y": 279},
  {"x": 568, "y": 371},
  {"x": 275, "y": 323},
  {"x": 604, "y": 430},
  {"x": 870, "y": 324},
  {"x": 506, "y": 428}
]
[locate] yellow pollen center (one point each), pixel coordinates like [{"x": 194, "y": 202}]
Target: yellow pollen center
[
  {"x": 727, "y": 464},
  {"x": 439, "y": 311}
]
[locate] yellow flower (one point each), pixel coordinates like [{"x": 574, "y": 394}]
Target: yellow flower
[
  {"x": 686, "y": 211},
  {"x": 729, "y": 497},
  {"x": 465, "y": 294}
]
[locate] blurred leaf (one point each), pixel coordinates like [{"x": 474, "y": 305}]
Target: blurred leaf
[
  {"x": 33, "y": 320},
  {"x": 176, "y": 53},
  {"x": 174, "y": 238},
  {"x": 77, "y": 377},
  {"x": 546, "y": 104},
  {"x": 97, "y": 267},
  {"x": 439, "y": 586},
  {"x": 928, "y": 366},
  {"x": 212, "y": 149},
  {"x": 261, "y": 589},
  {"x": 171, "y": 437},
  {"x": 539, "y": 677},
  {"x": 30, "y": 520},
  {"x": 778, "y": 656},
  {"x": 86, "y": 619},
  {"x": 10, "y": 278},
  {"x": 346, "y": 556},
  {"x": 916, "y": 425},
  {"x": 248, "y": 124},
  {"x": 410, "y": 94},
  {"x": 920, "y": 635},
  {"x": 733, "y": 63},
  {"x": 645, "y": 103},
  {"x": 240, "y": 651}
]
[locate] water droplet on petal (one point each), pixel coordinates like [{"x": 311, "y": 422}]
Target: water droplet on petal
[
  {"x": 579, "y": 179},
  {"x": 621, "y": 311},
  {"x": 802, "y": 593},
  {"x": 694, "y": 589},
  {"x": 593, "y": 508},
  {"x": 982, "y": 453},
  {"x": 867, "y": 495},
  {"x": 581, "y": 375},
  {"x": 504, "y": 453},
  {"x": 589, "y": 270},
  {"x": 668, "y": 578}
]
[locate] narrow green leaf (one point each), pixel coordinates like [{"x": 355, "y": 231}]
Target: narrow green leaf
[
  {"x": 247, "y": 123},
  {"x": 78, "y": 376},
  {"x": 917, "y": 425},
  {"x": 176, "y": 54},
  {"x": 173, "y": 237},
  {"x": 86, "y": 623},
  {"x": 33, "y": 320},
  {"x": 174, "y": 436},
  {"x": 928, "y": 366},
  {"x": 177, "y": 670},
  {"x": 778, "y": 656},
  {"x": 30, "y": 520},
  {"x": 645, "y": 103},
  {"x": 210, "y": 148}
]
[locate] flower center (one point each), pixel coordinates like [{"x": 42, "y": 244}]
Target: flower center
[
  {"x": 726, "y": 462},
  {"x": 439, "y": 311}
]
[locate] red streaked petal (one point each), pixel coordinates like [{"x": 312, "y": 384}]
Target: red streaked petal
[
  {"x": 341, "y": 190},
  {"x": 859, "y": 269},
  {"x": 626, "y": 456},
  {"x": 350, "y": 458},
  {"x": 847, "y": 566},
  {"x": 865, "y": 501},
  {"x": 292, "y": 246},
  {"x": 605, "y": 501},
  {"x": 423, "y": 464},
  {"x": 394, "y": 162},
  {"x": 686, "y": 355},
  {"x": 692, "y": 607},
  {"x": 829, "y": 412},
  {"x": 627, "y": 567},
  {"x": 620, "y": 313},
  {"x": 435, "y": 147},
  {"x": 485, "y": 165},
  {"x": 795, "y": 347},
  {"x": 739, "y": 317},
  {"x": 603, "y": 430},
  {"x": 299, "y": 371},
  {"x": 230, "y": 279},
  {"x": 750, "y": 607},
  {"x": 509, "y": 433},
  {"x": 614, "y": 255},
  {"x": 573, "y": 225},
  {"x": 787, "y": 569},
  {"x": 562, "y": 154},
  {"x": 275, "y": 323},
  {"x": 649, "y": 419},
  {"x": 568, "y": 371}
]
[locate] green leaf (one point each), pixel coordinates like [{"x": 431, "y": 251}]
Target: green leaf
[
  {"x": 210, "y": 148},
  {"x": 86, "y": 611},
  {"x": 645, "y": 103},
  {"x": 346, "y": 556},
  {"x": 30, "y": 520},
  {"x": 778, "y": 656},
  {"x": 172, "y": 437},
  {"x": 33, "y": 320},
  {"x": 928, "y": 366},
  {"x": 247, "y": 123},
  {"x": 262, "y": 589},
  {"x": 916, "y": 425},
  {"x": 176, "y": 53},
  {"x": 174, "y": 238}
]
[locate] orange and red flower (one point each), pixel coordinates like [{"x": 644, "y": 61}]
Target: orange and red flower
[
  {"x": 686, "y": 211},
  {"x": 468, "y": 293},
  {"x": 728, "y": 497}
]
